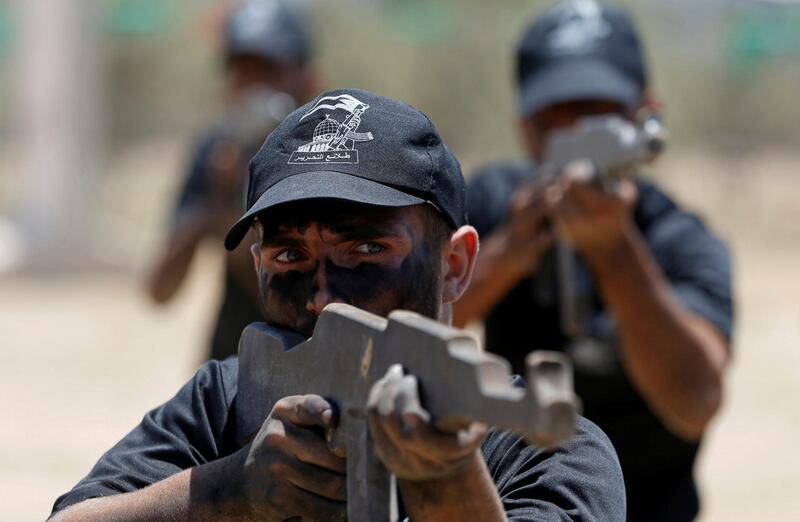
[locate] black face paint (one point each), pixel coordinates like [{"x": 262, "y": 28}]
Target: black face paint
[
  {"x": 413, "y": 285},
  {"x": 284, "y": 297}
]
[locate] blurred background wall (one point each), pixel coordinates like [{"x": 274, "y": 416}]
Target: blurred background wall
[{"x": 99, "y": 99}]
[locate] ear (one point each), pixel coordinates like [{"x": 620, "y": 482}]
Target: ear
[
  {"x": 651, "y": 103},
  {"x": 530, "y": 136},
  {"x": 458, "y": 261},
  {"x": 255, "y": 249}
]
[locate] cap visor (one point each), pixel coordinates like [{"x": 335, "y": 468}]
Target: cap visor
[
  {"x": 577, "y": 80},
  {"x": 320, "y": 185}
]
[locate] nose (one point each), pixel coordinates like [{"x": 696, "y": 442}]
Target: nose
[{"x": 321, "y": 295}]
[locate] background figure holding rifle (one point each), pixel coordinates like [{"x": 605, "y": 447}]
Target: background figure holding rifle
[
  {"x": 267, "y": 50},
  {"x": 650, "y": 287}
]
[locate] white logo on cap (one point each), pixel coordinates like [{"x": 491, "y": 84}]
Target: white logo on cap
[
  {"x": 333, "y": 142},
  {"x": 580, "y": 26},
  {"x": 253, "y": 17}
]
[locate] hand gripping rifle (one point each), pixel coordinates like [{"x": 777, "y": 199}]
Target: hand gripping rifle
[
  {"x": 613, "y": 146},
  {"x": 351, "y": 349}
]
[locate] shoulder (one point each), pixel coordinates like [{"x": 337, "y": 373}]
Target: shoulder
[
  {"x": 190, "y": 429},
  {"x": 580, "y": 479},
  {"x": 195, "y": 186},
  {"x": 672, "y": 231},
  {"x": 219, "y": 377},
  {"x": 697, "y": 263},
  {"x": 590, "y": 448},
  {"x": 499, "y": 176},
  {"x": 199, "y": 413}
]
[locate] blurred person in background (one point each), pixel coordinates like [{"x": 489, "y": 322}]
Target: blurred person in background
[
  {"x": 267, "y": 52},
  {"x": 650, "y": 368}
]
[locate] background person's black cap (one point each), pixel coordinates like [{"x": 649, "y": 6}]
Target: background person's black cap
[
  {"x": 580, "y": 50},
  {"x": 270, "y": 29},
  {"x": 354, "y": 145}
]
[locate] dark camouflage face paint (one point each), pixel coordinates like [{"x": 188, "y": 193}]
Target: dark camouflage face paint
[{"x": 412, "y": 284}]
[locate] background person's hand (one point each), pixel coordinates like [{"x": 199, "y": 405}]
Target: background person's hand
[
  {"x": 593, "y": 218},
  {"x": 290, "y": 471},
  {"x": 526, "y": 234},
  {"x": 406, "y": 441}
]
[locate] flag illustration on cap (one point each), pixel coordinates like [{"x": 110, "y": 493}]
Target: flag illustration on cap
[
  {"x": 333, "y": 141},
  {"x": 580, "y": 26}
]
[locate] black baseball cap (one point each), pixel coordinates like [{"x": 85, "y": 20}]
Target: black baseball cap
[
  {"x": 580, "y": 50},
  {"x": 270, "y": 29},
  {"x": 353, "y": 145}
]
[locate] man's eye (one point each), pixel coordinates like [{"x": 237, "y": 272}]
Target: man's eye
[
  {"x": 369, "y": 248},
  {"x": 290, "y": 256}
]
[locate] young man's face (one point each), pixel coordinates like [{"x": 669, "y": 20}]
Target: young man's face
[
  {"x": 247, "y": 72},
  {"x": 378, "y": 259}
]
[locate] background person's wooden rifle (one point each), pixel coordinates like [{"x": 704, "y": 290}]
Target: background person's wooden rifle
[
  {"x": 613, "y": 147},
  {"x": 351, "y": 349}
]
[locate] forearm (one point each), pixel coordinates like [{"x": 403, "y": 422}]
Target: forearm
[
  {"x": 469, "y": 495},
  {"x": 204, "y": 493},
  {"x": 492, "y": 279},
  {"x": 172, "y": 266},
  {"x": 674, "y": 358}
]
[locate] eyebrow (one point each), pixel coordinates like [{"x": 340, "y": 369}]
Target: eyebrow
[
  {"x": 352, "y": 231},
  {"x": 364, "y": 230},
  {"x": 281, "y": 240}
]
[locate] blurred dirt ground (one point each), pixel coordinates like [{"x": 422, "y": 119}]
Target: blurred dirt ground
[{"x": 83, "y": 357}]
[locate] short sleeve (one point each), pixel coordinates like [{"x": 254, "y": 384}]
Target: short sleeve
[
  {"x": 578, "y": 481},
  {"x": 188, "y": 430},
  {"x": 479, "y": 211},
  {"x": 698, "y": 266},
  {"x": 194, "y": 190}
]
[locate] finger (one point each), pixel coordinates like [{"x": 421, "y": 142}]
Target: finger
[
  {"x": 428, "y": 442},
  {"x": 409, "y": 428},
  {"x": 473, "y": 436},
  {"x": 396, "y": 456},
  {"x": 305, "y": 410},
  {"x": 397, "y": 395},
  {"x": 532, "y": 219},
  {"x": 580, "y": 196},
  {"x": 310, "y": 506},
  {"x": 406, "y": 413},
  {"x": 590, "y": 197},
  {"x": 377, "y": 399},
  {"x": 408, "y": 406},
  {"x": 384, "y": 447},
  {"x": 627, "y": 191},
  {"x": 566, "y": 209},
  {"x": 522, "y": 199},
  {"x": 580, "y": 171},
  {"x": 324, "y": 483},
  {"x": 543, "y": 240},
  {"x": 552, "y": 198},
  {"x": 309, "y": 446}
]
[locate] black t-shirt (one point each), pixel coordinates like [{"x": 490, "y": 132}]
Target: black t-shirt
[
  {"x": 579, "y": 481},
  {"x": 238, "y": 307},
  {"x": 657, "y": 465}
]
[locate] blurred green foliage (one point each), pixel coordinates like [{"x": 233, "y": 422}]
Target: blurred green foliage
[
  {"x": 138, "y": 16},
  {"x": 758, "y": 35}
]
